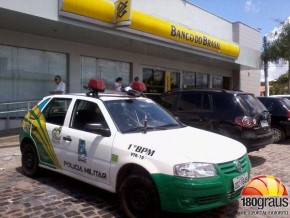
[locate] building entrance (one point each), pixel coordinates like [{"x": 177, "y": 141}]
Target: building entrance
[{"x": 160, "y": 81}]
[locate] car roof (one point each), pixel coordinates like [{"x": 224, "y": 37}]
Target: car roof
[
  {"x": 106, "y": 95},
  {"x": 283, "y": 96},
  {"x": 208, "y": 90}
]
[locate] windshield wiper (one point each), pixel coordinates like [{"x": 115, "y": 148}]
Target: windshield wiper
[
  {"x": 145, "y": 124},
  {"x": 168, "y": 125},
  {"x": 141, "y": 128},
  {"x": 135, "y": 129}
]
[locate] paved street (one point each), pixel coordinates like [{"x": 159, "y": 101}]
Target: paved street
[{"x": 53, "y": 195}]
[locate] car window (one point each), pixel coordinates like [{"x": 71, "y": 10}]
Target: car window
[
  {"x": 168, "y": 101},
  {"x": 286, "y": 102},
  {"x": 250, "y": 104},
  {"x": 221, "y": 103},
  {"x": 206, "y": 102},
  {"x": 86, "y": 112},
  {"x": 130, "y": 114},
  {"x": 269, "y": 103},
  {"x": 190, "y": 101},
  {"x": 56, "y": 110}
]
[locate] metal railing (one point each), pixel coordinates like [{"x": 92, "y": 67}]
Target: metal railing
[{"x": 12, "y": 111}]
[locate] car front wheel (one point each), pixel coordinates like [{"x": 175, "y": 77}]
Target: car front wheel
[
  {"x": 138, "y": 197},
  {"x": 30, "y": 160}
]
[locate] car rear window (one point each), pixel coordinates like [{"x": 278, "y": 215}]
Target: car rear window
[
  {"x": 250, "y": 104},
  {"x": 286, "y": 102}
]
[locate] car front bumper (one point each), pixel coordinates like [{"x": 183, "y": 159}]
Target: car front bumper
[{"x": 186, "y": 195}]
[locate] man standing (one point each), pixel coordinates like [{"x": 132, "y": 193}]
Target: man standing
[
  {"x": 60, "y": 86},
  {"x": 118, "y": 84}
]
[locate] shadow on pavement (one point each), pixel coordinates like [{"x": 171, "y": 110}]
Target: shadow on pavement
[
  {"x": 76, "y": 192},
  {"x": 256, "y": 161}
]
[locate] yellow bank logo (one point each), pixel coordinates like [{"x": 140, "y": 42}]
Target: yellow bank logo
[
  {"x": 264, "y": 186},
  {"x": 121, "y": 8},
  {"x": 123, "y": 13}
]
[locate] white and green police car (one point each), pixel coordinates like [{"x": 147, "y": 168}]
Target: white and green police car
[{"x": 131, "y": 146}]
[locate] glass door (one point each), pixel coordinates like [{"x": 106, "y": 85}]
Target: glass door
[{"x": 160, "y": 81}]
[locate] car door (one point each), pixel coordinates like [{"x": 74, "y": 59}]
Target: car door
[
  {"x": 88, "y": 154},
  {"x": 45, "y": 122},
  {"x": 54, "y": 117}
]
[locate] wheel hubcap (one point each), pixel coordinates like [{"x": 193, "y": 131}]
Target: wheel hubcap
[
  {"x": 29, "y": 160},
  {"x": 139, "y": 199},
  {"x": 277, "y": 134}
]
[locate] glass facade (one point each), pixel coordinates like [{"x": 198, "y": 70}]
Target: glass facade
[
  {"x": 217, "y": 81},
  {"x": 220, "y": 82},
  {"x": 27, "y": 74},
  {"x": 188, "y": 79},
  {"x": 107, "y": 70},
  {"x": 194, "y": 79}
]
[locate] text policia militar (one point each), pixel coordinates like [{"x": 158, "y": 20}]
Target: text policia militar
[{"x": 194, "y": 38}]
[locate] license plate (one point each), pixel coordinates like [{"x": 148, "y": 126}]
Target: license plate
[
  {"x": 264, "y": 123},
  {"x": 240, "y": 181}
]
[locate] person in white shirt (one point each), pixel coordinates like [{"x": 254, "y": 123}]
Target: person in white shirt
[
  {"x": 60, "y": 86},
  {"x": 118, "y": 84}
]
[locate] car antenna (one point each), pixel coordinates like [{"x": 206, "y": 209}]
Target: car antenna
[{"x": 145, "y": 124}]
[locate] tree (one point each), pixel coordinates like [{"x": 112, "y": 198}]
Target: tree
[
  {"x": 279, "y": 86},
  {"x": 280, "y": 48}
]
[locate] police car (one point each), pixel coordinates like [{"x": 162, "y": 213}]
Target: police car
[{"x": 127, "y": 144}]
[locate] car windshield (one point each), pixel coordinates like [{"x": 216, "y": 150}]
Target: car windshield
[
  {"x": 136, "y": 115},
  {"x": 251, "y": 104}
]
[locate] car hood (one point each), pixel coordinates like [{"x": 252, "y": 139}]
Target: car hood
[{"x": 182, "y": 145}]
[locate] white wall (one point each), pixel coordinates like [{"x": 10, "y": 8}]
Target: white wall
[
  {"x": 40, "y": 8},
  {"x": 249, "y": 40},
  {"x": 250, "y": 81}
]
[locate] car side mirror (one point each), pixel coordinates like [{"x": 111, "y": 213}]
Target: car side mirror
[{"x": 98, "y": 128}]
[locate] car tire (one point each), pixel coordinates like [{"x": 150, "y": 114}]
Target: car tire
[
  {"x": 139, "y": 197},
  {"x": 279, "y": 134},
  {"x": 29, "y": 160}
]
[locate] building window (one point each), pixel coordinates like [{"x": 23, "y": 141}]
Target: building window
[
  {"x": 201, "y": 80},
  {"x": 194, "y": 79},
  {"x": 27, "y": 74},
  {"x": 220, "y": 82},
  {"x": 188, "y": 79},
  {"x": 217, "y": 81},
  {"x": 106, "y": 70}
]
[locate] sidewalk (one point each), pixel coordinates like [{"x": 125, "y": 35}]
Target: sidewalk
[{"x": 9, "y": 138}]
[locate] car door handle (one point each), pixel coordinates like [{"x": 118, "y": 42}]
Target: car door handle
[{"x": 67, "y": 138}]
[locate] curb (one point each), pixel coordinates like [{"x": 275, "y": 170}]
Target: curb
[
  {"x": 9, "y": 146},
  {"x": 9, "y": 141}
]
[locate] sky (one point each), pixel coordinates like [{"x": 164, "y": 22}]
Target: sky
[{"x": 258, "y": 14}]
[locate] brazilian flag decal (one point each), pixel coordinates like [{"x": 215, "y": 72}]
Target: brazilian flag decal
[{"x": 35, "y": 123}]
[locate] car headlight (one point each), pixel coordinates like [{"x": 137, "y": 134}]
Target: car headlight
[{"x": 195, "y": 170}]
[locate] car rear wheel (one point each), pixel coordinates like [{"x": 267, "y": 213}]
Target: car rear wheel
[
  {"x": 138, "y": 197},
  {"x": 278, "y": 134},
  {"x": 29, "y": 160}
]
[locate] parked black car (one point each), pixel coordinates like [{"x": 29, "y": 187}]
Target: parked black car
[
  {"x": 279, "y": 108},
  {"x": 235, "y": 114}
]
